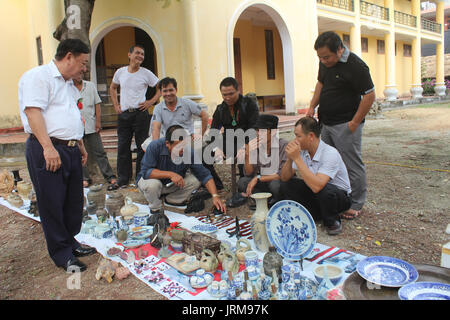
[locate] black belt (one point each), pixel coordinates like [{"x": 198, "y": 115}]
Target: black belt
[
  {"x": 132, "y": 110},
  {"x": 69, "y": 143}
]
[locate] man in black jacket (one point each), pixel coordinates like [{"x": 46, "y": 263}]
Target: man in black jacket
[{"x": 235, "y": 112}]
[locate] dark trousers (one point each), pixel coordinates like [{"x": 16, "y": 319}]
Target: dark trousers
[
  {"x": 94, "y": 148},
  {"x": 129, "y": 123},
  {"x": 59, "y": 198},
  {"x": 325, "y": 205},
  {"x": 274, "y": 187}
]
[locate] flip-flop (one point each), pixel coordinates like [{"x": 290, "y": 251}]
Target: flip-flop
[{"x": 350, "y": 216}]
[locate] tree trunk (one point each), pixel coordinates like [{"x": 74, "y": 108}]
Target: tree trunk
[{"x": 77, "y": 22}]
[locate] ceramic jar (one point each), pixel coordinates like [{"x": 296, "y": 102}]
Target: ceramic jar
[
  {"x": 24, "y": 188},
  {"x": 141, "y": 218},
  {"x": 223, "y": 248},
  {"x": 272, "y": 261},
  {"x": 15, "y": 200},
  {"x": 251, "y": 259},
  {"x": 97, "y": 195},
  {"x": 129, "y": 209},
  {"x": 258, "y": 221},
  {"x": 208, "y": 261},
  {"x": 241, "y": 250},
  {"x": 114, "y": 202},
  {"x": 91, "y": 208},
  {"x": 230, "y": 262},
  {"x": 121, "y": 235}
]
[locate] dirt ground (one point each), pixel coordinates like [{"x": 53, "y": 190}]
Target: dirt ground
[{"x": 407, "y": 156}]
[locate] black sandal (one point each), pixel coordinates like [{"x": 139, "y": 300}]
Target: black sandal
[{"x": 113, "y": 186}]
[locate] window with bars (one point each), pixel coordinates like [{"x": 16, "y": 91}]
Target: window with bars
[
  {"x": 346, "y": 40},
  {"x": 270, "y": 59},
  {"x": 407, "y": 50},
  {"x": 380, "y": 46},
  {"x": 364, "y": 44}
]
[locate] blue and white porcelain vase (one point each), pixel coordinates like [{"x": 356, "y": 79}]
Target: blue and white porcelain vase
[{"x": 258, "y": 221}]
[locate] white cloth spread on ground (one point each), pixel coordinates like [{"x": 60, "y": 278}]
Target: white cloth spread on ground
[{"x": 175, "y": 285}]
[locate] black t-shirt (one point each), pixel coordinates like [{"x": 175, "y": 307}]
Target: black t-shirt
[
  {"x": 343, "y": 86},
  {"x": 245, "y": 115}
]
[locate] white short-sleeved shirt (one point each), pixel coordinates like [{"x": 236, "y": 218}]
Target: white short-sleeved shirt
[
  {"x": 328, "y": 161},
  {"x": 44, "y": 87},
  {"x": 90, "y": 98},
  {"x": 182, "y": 115},
  {"x": 133, "y": 86}
]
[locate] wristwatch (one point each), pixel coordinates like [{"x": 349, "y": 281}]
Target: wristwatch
[{"x": 258, "y": 178}]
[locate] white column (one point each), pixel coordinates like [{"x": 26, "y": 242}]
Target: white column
[
  {"x": 391, "y": 91},
  {"x": 355, "y": 32},
  {"x": 416, "y": 86},
  {"x": 192, "y": 79},
  {"x": 440, "y": 84}
]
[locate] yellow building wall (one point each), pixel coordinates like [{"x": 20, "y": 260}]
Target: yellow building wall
[
  {"x": 244, "y": 31},
  {"x": 15, "y": 56},
  {"x": 253, "y": 59},
  {"x": 117, "y": 44},
  {"x": 298, "y": 16},
  {"x": 215, "y": 24},
  {"x": 376, "y": 63},
  {"x": 150, "y": 16},
  {"x": 22, "y": 22},
  {"x": 265, "y": 86},
  {"x": 403, "y": 70},
  {"x": 404, "y": 6}
]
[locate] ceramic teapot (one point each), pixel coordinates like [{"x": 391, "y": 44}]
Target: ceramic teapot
[
  {"x": 223, "y": 247},
  {"x": 208, "y": 261},
  {"x": 240, "y": 250},
  {"x": 129, "y": 209},
  {"x": 230, "y": 262}
]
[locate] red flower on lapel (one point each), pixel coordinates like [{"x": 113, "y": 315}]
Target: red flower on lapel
[{"x": 80, "y": 103}]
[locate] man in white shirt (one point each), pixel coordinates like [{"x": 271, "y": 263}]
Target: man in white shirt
[
  {"x": 55, "y": 152},
  {"x": 91, "y": 112},
  {"x": 132, "y": 109},
  {"x": 324, "y": 188}
]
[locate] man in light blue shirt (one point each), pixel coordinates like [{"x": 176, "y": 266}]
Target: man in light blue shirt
[{"x": 324, "y": 188}]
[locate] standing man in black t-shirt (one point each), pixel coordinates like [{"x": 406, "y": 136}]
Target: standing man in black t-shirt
[{"x": 345, "y": 93}]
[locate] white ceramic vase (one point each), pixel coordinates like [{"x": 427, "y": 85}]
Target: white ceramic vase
[{"x": 258, "y": 221}]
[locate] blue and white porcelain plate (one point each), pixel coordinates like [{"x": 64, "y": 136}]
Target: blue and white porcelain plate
[
  {"x": 204, "y": 228},
  {"x": 387, "y": 271},
  {"x": 130, "y": 244},
  {"x": 425, "y": 291},
  {"x": 291, "y": 229}
]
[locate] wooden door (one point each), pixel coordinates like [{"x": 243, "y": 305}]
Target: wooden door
[{"x": 237, "y": 62}]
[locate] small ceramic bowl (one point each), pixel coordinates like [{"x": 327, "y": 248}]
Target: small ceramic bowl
[{"x": 334, "y": 273}]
